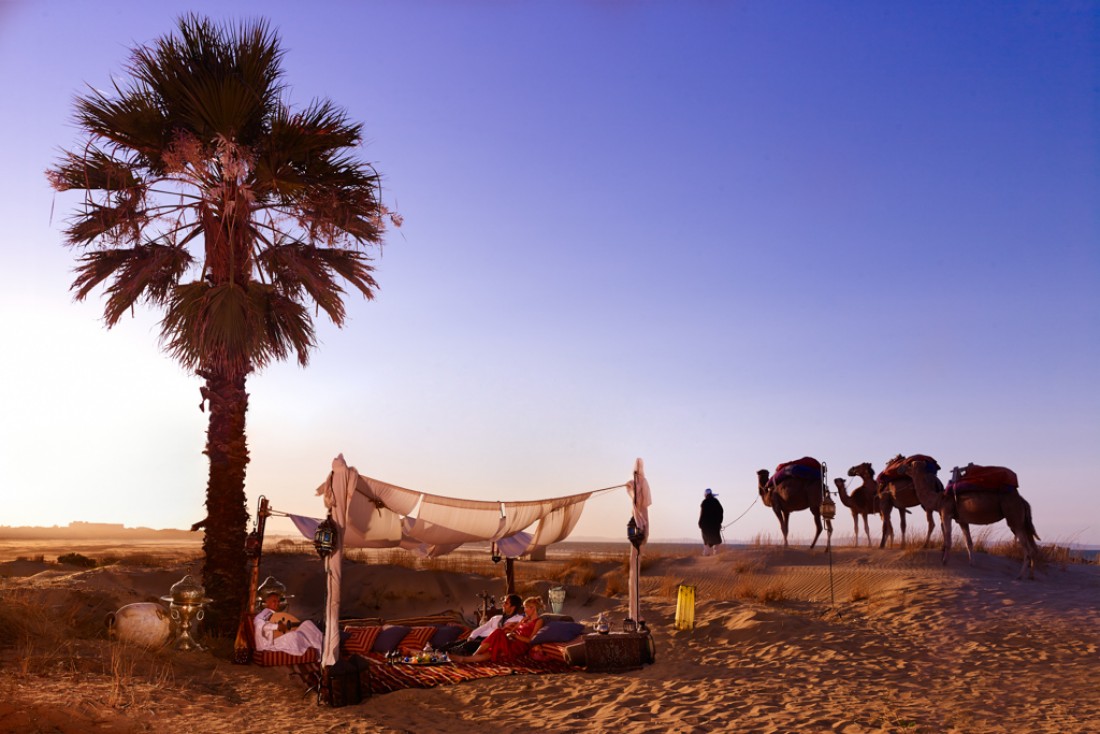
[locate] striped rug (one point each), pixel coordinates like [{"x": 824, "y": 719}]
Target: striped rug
[{"x": 387, "y": 677}]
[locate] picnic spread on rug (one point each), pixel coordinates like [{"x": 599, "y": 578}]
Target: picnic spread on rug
[{"x": 408, "y": 653}]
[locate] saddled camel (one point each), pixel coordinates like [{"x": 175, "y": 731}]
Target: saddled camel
[
  {"x": 899, "y": 492},
  {"x": 978, "y": 507},
  {"x": 792, "y": 494},
  {"x": 863, "y": 501}
]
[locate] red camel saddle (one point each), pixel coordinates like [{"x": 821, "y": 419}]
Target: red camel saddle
[
  {"x": 804, "y": 468},
  {"x": 892, "y": 473},
  {"x": 976, "y": 478}
]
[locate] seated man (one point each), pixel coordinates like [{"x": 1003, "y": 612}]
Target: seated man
[
  {"x": 512, "y": 615},
  {"x": 279, "y": 635}
]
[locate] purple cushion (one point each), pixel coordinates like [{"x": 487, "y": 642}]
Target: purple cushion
[
  {"x": 389, "y": 638},
  {"x": 558, "y": 632},
  {"x": 445, "y": 635}
]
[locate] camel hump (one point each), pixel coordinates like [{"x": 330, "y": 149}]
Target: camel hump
[
  {"x": 975, "y": 478},
  {"x": 805, "y": 468},
  {"x": 892, "y": 470}
]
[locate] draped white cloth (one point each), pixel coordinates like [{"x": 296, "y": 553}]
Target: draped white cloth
[
  {"x": 373, "y": 514},
  {"x": 381, "y": 515}
]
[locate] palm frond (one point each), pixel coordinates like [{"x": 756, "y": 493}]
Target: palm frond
[
  {"x": 148, "y": 271},
  {"x": 236, "y": 327},
  {"x": 94, "y": 170},
  {"x": 132, "y": 121},
  {"x": 121, "y": 222},
  {"x": 296, "y": 268},
  {"x": 214, "y": 81}
]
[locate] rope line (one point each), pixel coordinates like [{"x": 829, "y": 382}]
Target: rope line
[{"x": 731, "y": 522}]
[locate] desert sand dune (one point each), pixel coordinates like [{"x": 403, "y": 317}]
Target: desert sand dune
[{"x": 884, "y": 641}]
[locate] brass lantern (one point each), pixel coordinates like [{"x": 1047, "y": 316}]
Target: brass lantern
[
  {"x": 828, "y": 507},
  {"x": 324, "y": 538}
]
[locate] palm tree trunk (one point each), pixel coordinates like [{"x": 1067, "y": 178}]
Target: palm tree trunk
[{"x": 225, "y": 568}]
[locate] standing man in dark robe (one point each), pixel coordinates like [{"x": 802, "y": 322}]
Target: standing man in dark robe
[{"x": 710, "y": 522}]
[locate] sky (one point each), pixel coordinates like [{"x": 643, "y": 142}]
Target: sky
[{"x": 716, "y": 236}]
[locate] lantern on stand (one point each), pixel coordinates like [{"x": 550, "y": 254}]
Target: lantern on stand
[
  {"x": 187, "y": 599},
  {"x": 325, "y": 537},
  {"x": 634, "y": 534},
  {"x": 828, "y": 507}
]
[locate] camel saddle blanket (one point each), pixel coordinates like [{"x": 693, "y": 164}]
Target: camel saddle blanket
[
  {"x": 804, "y": 468},
  {"x": 975, "y": 478},
  {"x": 891, "y": 473}
]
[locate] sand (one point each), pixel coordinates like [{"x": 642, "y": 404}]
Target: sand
[{"x": 876, "y": 641}]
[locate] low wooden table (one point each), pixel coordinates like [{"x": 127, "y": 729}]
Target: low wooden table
[{"x": 618, "y": 651}]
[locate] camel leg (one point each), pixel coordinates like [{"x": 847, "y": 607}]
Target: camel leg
[
  {"x": 855, "y": 523},
  {"x": 969, "y": 542},
  {"x": 817, "y": 524},
  {"x": 866, "y": 531},
  {"x": 902, "y": 513},
  {"x": 1029, "y": 564},
  {"x": 886, "y": 507},
  {"x": 1019, "y": 528},
  {"x": 931, "y": 527},
  {"x": 784, "y": 518},
  {"x": 945, "y": 523}
]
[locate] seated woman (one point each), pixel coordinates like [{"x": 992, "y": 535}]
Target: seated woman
[
  {"x": 506, "y": 645},
  {"x": 277, "y": 635}
]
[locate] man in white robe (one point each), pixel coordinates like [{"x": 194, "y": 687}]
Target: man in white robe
[
  {"x": 512, "y": 615},
  {"x": 275, "y": 635}
]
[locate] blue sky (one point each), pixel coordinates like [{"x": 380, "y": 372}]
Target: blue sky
[{"x": 714, "y": 235}]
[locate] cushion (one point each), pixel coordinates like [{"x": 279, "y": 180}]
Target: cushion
[
  {"x": 558, "y": 632},
  {"x": 446, "y": 634},
  {"x": 361, "y": 639},
  {"x": 417, "y": 639},
  {"x": 390, "y": 637}
]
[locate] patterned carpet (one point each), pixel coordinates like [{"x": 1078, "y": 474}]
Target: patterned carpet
[{"x": 387, "y": 677}]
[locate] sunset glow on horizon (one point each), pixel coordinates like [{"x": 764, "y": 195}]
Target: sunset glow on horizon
[{"x": 716, "y": 236}]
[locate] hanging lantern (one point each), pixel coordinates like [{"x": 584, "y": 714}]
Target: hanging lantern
[
  {"x": 634, "y": 534},
  {"x": 324, "y": 538},
  {"x": 496, "y": 554},
  {"x": 828, "y": 507}
]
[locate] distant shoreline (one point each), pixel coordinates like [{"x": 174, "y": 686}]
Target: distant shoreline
[{"x": 95, "y": 531}]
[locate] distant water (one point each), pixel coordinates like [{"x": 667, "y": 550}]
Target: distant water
[{"x": 1089, "y": 555}]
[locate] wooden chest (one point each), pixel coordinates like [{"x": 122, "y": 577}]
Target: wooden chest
[{"x": 617, "y": 651}]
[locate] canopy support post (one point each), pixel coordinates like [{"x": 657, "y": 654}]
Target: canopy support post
[{"x": 510, "y": 575}]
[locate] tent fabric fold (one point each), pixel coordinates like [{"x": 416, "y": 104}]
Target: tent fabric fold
[{"x": 382, "y": 515}]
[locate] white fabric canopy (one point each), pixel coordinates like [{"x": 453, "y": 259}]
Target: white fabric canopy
[{"x": 381, "y": 515}]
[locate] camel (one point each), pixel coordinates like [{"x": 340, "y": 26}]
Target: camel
[
  {"x": 864, "y": 499},
  {"x": 978, "y": 507},
  {"x": 899, "y": 492},
  {"x": 792, "y": 494}
]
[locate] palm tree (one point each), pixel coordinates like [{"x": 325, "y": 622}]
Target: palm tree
[{"x": 207, "y": 196}]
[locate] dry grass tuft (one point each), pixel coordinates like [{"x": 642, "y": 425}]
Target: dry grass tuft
[
  {"x": 580, "y": 570},
  {"x": 755, "y": 588},
  {"x": 617, "y": 585},
  {"x": 858, "y": 592}
]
